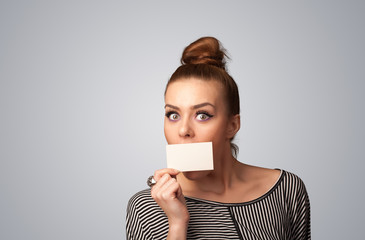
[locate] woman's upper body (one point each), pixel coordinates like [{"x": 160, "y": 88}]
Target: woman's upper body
[
  {"x": 202, "y": 105},
  {"x": 283, "y": 212}
]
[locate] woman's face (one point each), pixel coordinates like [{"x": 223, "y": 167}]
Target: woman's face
[{"x": 196, "y": 112}]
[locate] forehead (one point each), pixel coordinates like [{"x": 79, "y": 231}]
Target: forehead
[{"x": 193, "y": 91}]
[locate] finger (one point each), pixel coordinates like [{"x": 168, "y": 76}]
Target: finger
[
  {"x": 180, "y": 195},
  {"x": 159, "y": 173},
  {"x": 169, "y": 190},
  {"x": 163, "y": 188},
  {"x": 156, "y": 188},
  {"x": 166, "y": 186},
  {"x": 162, "y": 181}
]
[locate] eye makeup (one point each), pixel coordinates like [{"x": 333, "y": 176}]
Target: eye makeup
[
  {"x": 172, "y": 115},
  {"x": 200, "y": 115},
  {"x": 203, "y": 115}
]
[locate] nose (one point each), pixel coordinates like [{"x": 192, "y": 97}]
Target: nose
[{"x": 186, "y": 129}]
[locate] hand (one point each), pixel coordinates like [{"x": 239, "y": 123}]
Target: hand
[{"x": 167, "y": 193}]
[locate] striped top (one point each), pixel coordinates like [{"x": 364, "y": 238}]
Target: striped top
[{"x": 282, "y": 213}]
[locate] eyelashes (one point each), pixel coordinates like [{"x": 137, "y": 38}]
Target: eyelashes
[
  {"x": 199, "y": 115},
  {"x": 172, "y": 116},
  {"x": 203, "y": 116}
]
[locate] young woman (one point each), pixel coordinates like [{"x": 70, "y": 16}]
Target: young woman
[{"x": 233, "y": 201}]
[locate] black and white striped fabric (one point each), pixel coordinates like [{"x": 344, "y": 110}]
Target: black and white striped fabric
[{"x": 282, "y": 213}]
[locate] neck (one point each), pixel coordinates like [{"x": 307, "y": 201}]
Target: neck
[{"x": 218, "y": 181}]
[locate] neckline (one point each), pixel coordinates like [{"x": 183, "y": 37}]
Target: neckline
[{"x": 268, "y": 192}]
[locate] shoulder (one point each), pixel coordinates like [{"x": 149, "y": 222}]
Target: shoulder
[
  {"x": 263, "y": 179},
  {"x": 297, "y": 200},
  {"x": 294, "y": 193},
  {"x": 142, "y": 206},
  {"x": 272, "y": 178},
  {"x": 284, "y": 184},
  {"x": 145, "y": 219},
  {"x": 140, "y": 201},
  {"x": 139, "y": 196},
  {"x": 292, "y": 182}
]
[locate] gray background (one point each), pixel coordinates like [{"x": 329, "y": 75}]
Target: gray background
[{"x": 81, "y": 101}]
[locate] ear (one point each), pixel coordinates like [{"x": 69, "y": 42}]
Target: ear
[{"x": 234, "y": 124}]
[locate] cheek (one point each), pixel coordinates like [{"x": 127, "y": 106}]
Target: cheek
[
  {"x": 166, "y": 131},
  {"x": 169, "y": 132},
  {"x": 214, "y": 132}
]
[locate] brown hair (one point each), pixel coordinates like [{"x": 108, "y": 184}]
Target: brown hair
[{"x": 206, "y": 59}]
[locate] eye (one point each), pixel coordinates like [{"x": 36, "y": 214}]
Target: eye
[
  {"x": 203, "y": 116},
  {"x": 172, "y": 116}
]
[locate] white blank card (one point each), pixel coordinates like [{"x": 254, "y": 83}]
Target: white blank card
[{"x": 190, "y": 156}]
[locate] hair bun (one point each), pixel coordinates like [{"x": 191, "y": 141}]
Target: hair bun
[{"x": 206, "y": 50}]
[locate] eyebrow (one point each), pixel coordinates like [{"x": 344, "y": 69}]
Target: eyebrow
[{"x": 193, "y": 107}]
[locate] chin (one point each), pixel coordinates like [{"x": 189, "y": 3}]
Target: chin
[{"x": 196, "y": 175}]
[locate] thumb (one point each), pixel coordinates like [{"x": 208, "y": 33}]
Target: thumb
[{"x": 180, "y": 195}]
